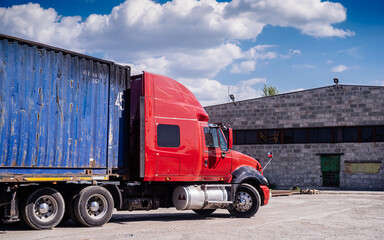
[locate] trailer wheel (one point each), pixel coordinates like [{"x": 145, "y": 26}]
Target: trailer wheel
[
  {"x": 204, "y": 212},
  {"x": 43, "y": 209},
  {"x": 93, "y": 206},
  {"x": 246, "y": 203},
  {"x": 70, "y": 206}
]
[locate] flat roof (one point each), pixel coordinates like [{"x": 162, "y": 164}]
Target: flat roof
[{"x": 295, "y": 92}]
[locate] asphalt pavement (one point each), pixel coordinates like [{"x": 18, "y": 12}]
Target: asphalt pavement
[{"x": 328, "y": 215}]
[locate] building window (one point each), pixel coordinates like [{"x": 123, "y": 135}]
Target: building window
[
  {"x": 168, "y": 136},
  {"x": 367, "y": 134},
  {"x": 251, "y": 137},
  {"x": 325, "y": 135},
  {"x": 239, "y": 137},
  {"x": 310, "y": 135},
  {"x": 337, "y": 135},
  {"x": 313, "y": 135},
  {"x": 274, "y": 136},
  {"x": 362, "y": 167},
  {"x": 350, "y": 134},
  {"x": 300, "y": 135},
  {"x": 320, "y": 135},
  {"x": 379, "y": 134},
  {"x": 269, "y": 136},
  {"x": 288, "y": 136}
]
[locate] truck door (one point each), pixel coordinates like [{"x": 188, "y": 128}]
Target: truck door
[
  {"x": 175, "y": 148},
  {"x": 217, "y": 158}
]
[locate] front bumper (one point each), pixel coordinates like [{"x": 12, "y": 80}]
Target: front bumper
[{"x": 267, "y": 194}]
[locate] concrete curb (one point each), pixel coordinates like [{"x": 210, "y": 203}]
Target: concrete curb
[
  {"x": 352, "y": 192},
  {"x": 276, "y": 193}
]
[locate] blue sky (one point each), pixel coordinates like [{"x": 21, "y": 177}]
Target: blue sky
[{"x": 212, "y": 45}]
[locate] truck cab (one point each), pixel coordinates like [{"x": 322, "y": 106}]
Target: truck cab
[{"x": 182, "y": 146}]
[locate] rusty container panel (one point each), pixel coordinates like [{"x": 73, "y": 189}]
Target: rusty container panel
[
  {"x": 118, "y": 140},
  {"x": 58, "y": 110}
]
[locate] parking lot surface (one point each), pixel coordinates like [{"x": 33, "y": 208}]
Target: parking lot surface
[{"x": 329, "y": 215}]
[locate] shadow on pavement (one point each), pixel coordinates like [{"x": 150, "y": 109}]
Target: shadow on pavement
[
  {"x": 164, "y": 217},
  {"x": 123, "y": 218}
]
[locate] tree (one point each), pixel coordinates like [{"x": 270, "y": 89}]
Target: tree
[{"x": 269, "y": 90}]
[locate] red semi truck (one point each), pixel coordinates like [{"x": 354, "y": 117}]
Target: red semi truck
[{"x": 80, "y": 137}]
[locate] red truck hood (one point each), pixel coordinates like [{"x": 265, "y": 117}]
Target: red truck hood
[{"x": 240, "y": 159}]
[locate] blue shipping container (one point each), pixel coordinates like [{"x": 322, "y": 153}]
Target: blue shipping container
[{"x": 60, "y": 110}]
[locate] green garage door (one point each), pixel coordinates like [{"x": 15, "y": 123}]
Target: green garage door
[{"x": 330, "y": 168}]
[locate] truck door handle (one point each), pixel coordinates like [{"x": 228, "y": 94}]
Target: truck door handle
[{"x": 223, "y": 154}]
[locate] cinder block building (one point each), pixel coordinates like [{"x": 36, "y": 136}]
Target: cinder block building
[{"x": 320, "y": 138}]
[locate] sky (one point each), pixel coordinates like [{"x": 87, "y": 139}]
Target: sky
[{"x": 213, "y": 47}]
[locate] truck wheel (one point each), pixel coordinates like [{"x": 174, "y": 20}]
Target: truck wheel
[
  {"x": 71, "y": 210},
  {"x": 93, "y": 206},
  {"x": 246, "y": 203},
  {"x": 43, "y": 209},
  {"x": 204, "y": 212}
]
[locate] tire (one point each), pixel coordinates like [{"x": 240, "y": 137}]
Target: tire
[
  {"x": 247, "y": 202},
  {"x": 65, "y": 218},
  {"x": 204, "y": 212},
  {"x": 93, "y": 206},
  {"x": 43, "y": 209},
  {"x": 69, "y": 214},
  {"x": 1, "y": 215}
]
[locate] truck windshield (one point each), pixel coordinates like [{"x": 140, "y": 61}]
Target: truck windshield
[{"x": 223, "y": 142}]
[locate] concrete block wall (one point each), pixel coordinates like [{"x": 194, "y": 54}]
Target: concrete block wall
[{"x": 299, "y": 164}]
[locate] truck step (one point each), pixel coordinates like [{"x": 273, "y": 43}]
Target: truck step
[{"x": 218, "y": 202}]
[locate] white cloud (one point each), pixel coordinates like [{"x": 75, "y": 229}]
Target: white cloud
[
  {"x": 204, "y": 63},
  {"x": 295, "y": 90},
  {"x": 312, "y": 17},
  {"x": 257, "y": 53},
  {"x": 45, "y": 25},
  {"x": 260, "y": 52},
  {"x": 201, "y": 63},
  {"x": 340, "y": 68},
  {"x": 291, "y": 53},
  {"x": 143, "y": 28},
  {"x": 253, "y": 81},
  {"x": 158, "y": 65},
  {"x": 214, "y": 92},
  {"x": 243, "y": 67},
  {"x": 294, "y": 51},
  {"x": 182, "y": 38}
]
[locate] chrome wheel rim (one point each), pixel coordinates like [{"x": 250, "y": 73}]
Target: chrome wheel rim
[
  {"x": 97, "y": 206},
  {"x": 45, "y": 208},
  {"x": 243, "y": 202}
]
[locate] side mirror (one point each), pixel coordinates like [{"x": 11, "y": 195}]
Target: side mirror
[
  {"x": 270, "y": 159},
  {"x": 230, "y": 138}
]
